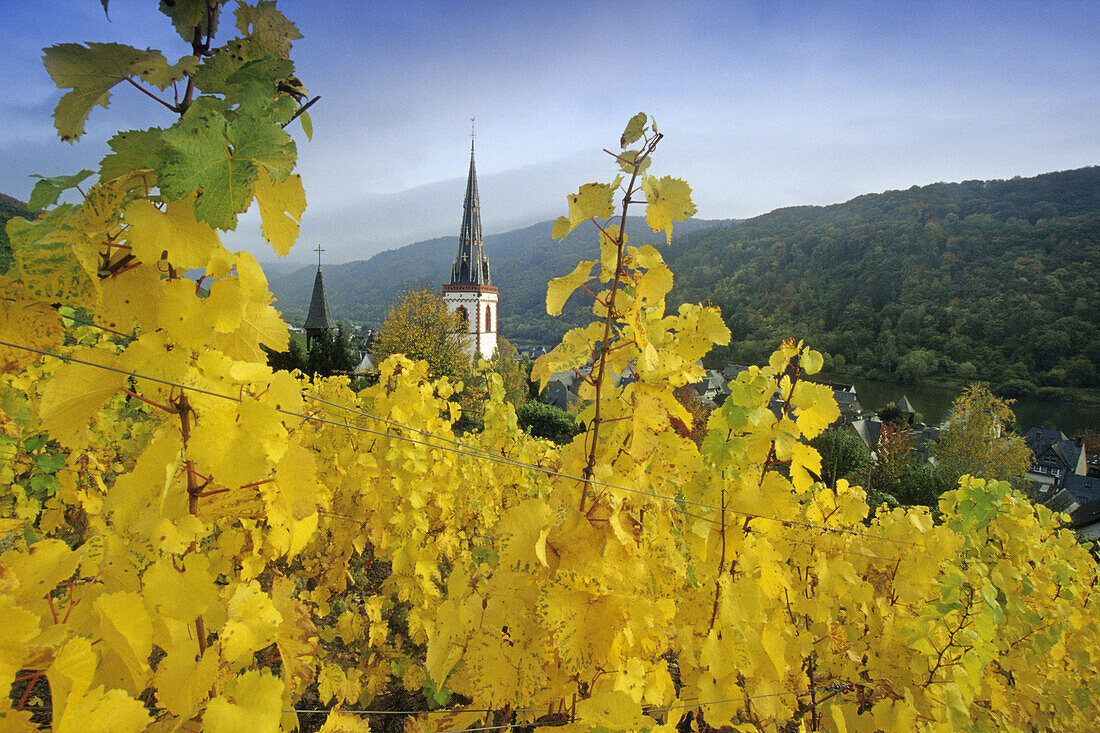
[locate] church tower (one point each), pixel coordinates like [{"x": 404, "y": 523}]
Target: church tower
[
  {"x": 471, "y": 295},
  {"x": 319, "y": 318}
]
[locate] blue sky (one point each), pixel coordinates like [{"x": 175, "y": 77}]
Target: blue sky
[{"x": 763, "y": 104}]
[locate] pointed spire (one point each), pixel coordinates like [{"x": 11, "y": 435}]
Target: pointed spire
[
  {"x": 319, "y": 317},
  {"x": 470, "y": 265}
]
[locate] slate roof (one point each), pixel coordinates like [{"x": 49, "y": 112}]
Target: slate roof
[
  {"x": 1063, "y": 501},
  {"x": 1084, "y": 488},
  {"x": 366, "y": 365},
  {"x": 906, "y": 406},
  {"x": 868, "y": 431},
  {"x": 731, "y": 371},
  {"x": 471, "y": 266},
  {"x": 1087, "y": 518},
  {"x": 711, "y": 385},
  {"x": 847, "y": 401},
  {"x": 319, "y": 317},
  {"x": 1039, "y": 439}
]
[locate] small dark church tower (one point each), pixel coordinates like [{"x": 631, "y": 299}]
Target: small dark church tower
[{"x": 319, "y": 319}]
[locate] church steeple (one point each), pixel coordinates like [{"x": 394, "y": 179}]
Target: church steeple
[
  {"x": 471, "y": 297},
  {"x": 319, "y": 319},
  {"x": 471, "y": 267}
]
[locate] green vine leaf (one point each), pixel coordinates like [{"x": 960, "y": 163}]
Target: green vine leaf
[
  {"x": 89, "y": 72},
  {"x": 634, "y": 129},
  {"x": 217, "y": 156},
  {"x": 187, "y": 15},
  {"x": 132, "y": 150},
  {"x": 266, "y": 26},
  {"x": 47, "y": 190}
]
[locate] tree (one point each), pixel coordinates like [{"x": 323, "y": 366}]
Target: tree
[
  {"x": 917, "y": 364},
  {"x": 420, "y": 327},
  {"x": 894, "y": 456},
  {"x": 547, "y": 421},
  {"x": 900, "y": 473},
  {"x": 331, "y": 352},
  {"x": 514, "y": 373},
  {"x": 843, "y": 455},
  {"x": 977, "y": 439}
]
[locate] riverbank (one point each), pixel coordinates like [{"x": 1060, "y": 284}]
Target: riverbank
[{"x": 932, "y": 399}]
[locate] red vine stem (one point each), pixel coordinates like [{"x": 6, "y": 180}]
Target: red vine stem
[
  {"x": 27, "y": 692},
  {"x": 183, "y": 407},
  {"x": 590, "y": 464}
]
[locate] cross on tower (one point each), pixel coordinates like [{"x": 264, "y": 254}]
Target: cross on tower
[
  {"x": 318, "y": 251},
  {"x": 473, "y": 133}
]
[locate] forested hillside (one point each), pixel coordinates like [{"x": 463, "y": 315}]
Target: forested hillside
[
  {"x": 994, "y": 280},
  {"x": 9, "y": 207},
  {"x": 522, "y": 261}
]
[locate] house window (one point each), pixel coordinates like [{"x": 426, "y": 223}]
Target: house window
[
  {"x": 488, "y": 319},
  {"x": 463, "y": 319}
]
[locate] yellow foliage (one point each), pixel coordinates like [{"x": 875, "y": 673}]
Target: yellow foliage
[{"x": 260, "y": 548}]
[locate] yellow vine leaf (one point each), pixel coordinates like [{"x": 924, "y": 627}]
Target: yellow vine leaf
[
  {"x": 593, "y": 200},
  {"x": 654, "y": 285},
  {"x": 260, "y": 325},
  {"x": 281, "y": 205},
  {"x": 99, "y": 711},
  {"x": 338, "y": 722},
  {"x": 188, "y": 242},
  {"x": 39, "y": 570},
  {"x": 70, "y": 674},
  {"x": 560, "y": 288},
  {"x": 27, "y": 323},
  {"x": 252, "y": 624},
  {"x": 45, "y": 258},
  {"x": 124, "y": 299},
  {"x": 179, "y": 313},
  {"x": 804, "y": 460},
  {"x": 148, "y": 486},
  {"x": 296, "y": 636},
  {"x": 75, "y": 393},
  {"x": 181, "y": 596},
  {"x": 295, "y": 500},
  {"x": 520, "y": 532},
  {"x": 812, "y": 361},
  {"x": 611, "y": 709},
  {"x": 225, "y": 304},
  {"x": 17, "y": 627},
  {"x": 183, "y": 684},
  {"x": 334, "y": 682},
  {"x": 668, "y": 199},
  {"x": 815, "y": 408},
  {"x": 128, "y": 631},
  {"x": 252, "y": 702}
]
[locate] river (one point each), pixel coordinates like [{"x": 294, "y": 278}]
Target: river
[{"x": 933, "y": 402}]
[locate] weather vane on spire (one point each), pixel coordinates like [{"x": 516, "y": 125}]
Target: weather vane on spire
[{"x": 318, "y": 251}]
